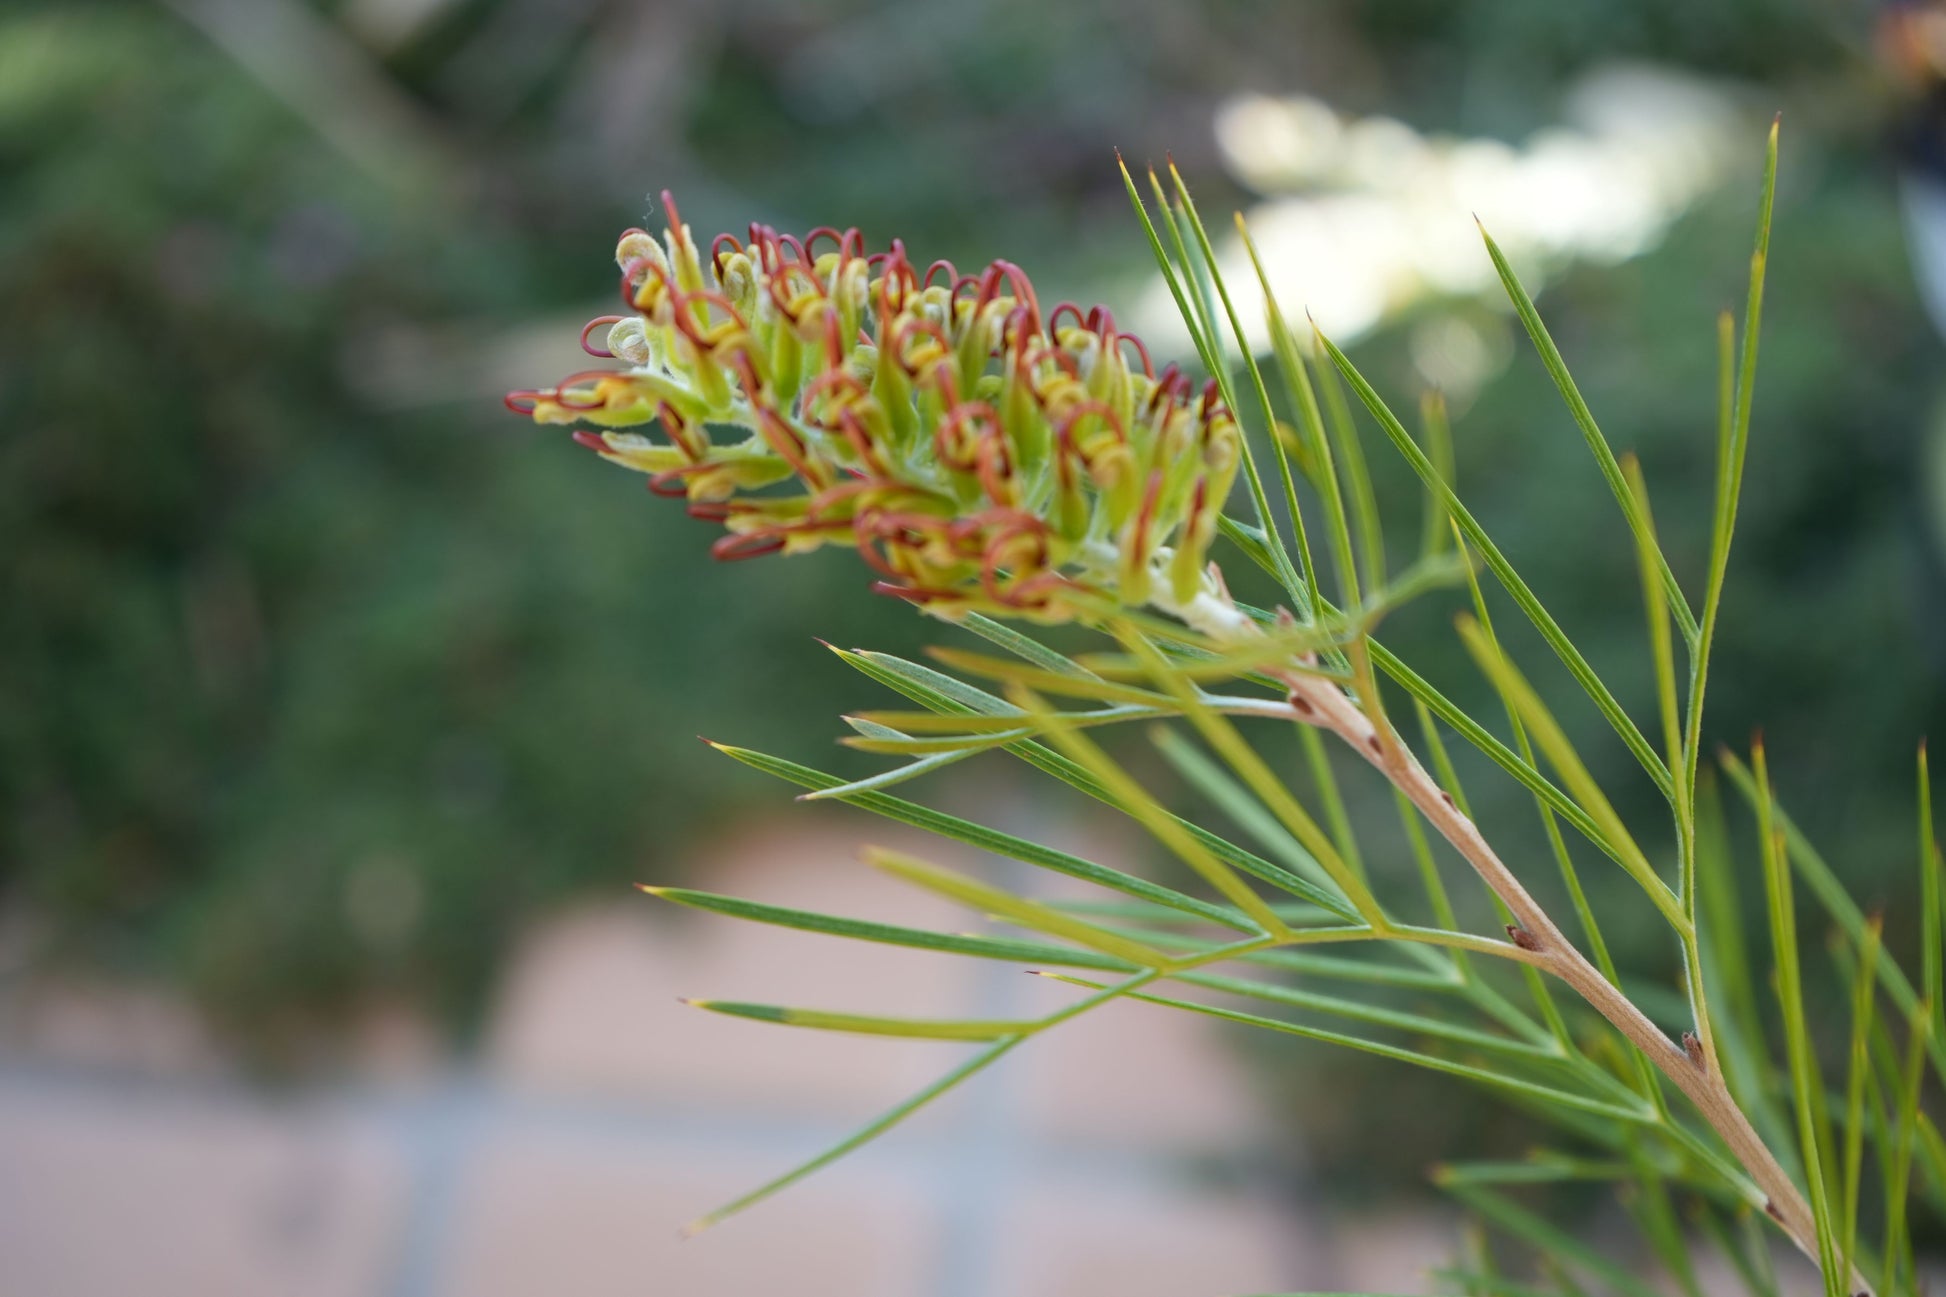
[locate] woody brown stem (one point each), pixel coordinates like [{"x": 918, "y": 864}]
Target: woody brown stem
[{"x": 1694, "y": 1071}]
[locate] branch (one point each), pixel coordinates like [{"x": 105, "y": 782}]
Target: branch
[{"x": 1691, "y": 1065}]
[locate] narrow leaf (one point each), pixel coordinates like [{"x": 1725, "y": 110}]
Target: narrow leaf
[
  {"x": 864, "y": 1025},
  {"x": 1004, "y": 948},
  {"x": 988, "y": 839},
  {"x": 1584, "y": 419},
  {"x": 1016, "y": 909}
]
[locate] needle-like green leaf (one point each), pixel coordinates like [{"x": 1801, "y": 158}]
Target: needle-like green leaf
[
  {"x": 1417, "y": 1024},
  {"x": 893, "y": 1116},
  {"x": 1863, "y": 1001},
  {"x": 1485, "y": 1076},
  {"x": 1059, "y": 683},
  {"x": 1233, "y": 800},
  {"x": 1504, "y": 572},
  {"x": 1348, "y": 453},
  {"x": 1191, "y": 317},
  {"x": 1025, "y": 647},
  {"x": 951, "y": 743},
  {"x": 1837, "y": 902},
  {"x": 1898, "y": 1158},
  {"x": 1541, "y": 1168},
  {"x": 1266, "y": 519},
  {"x": 987, "y": 839},
  {"x": 1662, "y": 655},
  {"x": 1733, "y": 443},
  {"x": 1547, "y": 734},
  {"x": 859, "y": 1138},
  {"x": 1477, "y": 735},
  {"x": 1009, "y": 949},
  {"x": 1577, "y": 894},
  {"x": 1661, "y": 651},
  {"x": 1297, "y": 386},
  {"x": 839, "y": 790},
  {"x": 905, "y": 724},
  {"x": 1221, "y": 735},
  {"x": 1120, "y": 790},
  {"x": 1584, "y": 419},
  {"x": 1740, "y": 1034},
  {"x": 918, "y": 683},
  {"x": 865, "y": 1025},
  {"x": 1806, "y": 1088},
  {"x": 1015, "y": 909}
]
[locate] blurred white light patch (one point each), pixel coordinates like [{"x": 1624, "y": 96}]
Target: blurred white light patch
[
  {"x": 1457, "y": 354},
  {"x": 1365, "y": 218}
]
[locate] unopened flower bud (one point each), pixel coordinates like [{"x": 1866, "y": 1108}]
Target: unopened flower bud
[
  {"x": 629, "y": 340},
  {"x": 740, "y": 284},
  {"x": 640, "y": 245}
]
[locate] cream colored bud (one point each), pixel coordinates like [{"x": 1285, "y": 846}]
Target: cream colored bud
[
  {"x": 739, "y": 280},
  {"x": 1085, "y": 347},
  {"x": 933, "y": 306},
  {"x": 863, "y": 362},
  {"x": 629, "y": 340},
  {"x": 856, "y": 282},
  {"x": 640, "y": 245}
]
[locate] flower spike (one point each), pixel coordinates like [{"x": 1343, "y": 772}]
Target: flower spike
[{"x": 979, "y": 454}]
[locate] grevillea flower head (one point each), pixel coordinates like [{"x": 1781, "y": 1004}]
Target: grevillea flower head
[{"x": 978, "y": 453}]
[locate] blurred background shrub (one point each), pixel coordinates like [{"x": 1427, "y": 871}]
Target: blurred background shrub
[{"x": 319, "y": 674}]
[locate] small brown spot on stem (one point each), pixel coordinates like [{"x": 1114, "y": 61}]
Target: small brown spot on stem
[
  {"x": 1302, "y": 705},
  {"x": 1771, "y": 1208},
  {"x": 1447, "y": 797},
  {"x": 1372, "y": 742},
  {"x": 1522, "y": 937},
  {"x": 1692, "y": 1047}
]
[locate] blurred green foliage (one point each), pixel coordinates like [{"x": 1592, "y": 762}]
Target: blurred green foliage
[{"x": 318, "y": 673}]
